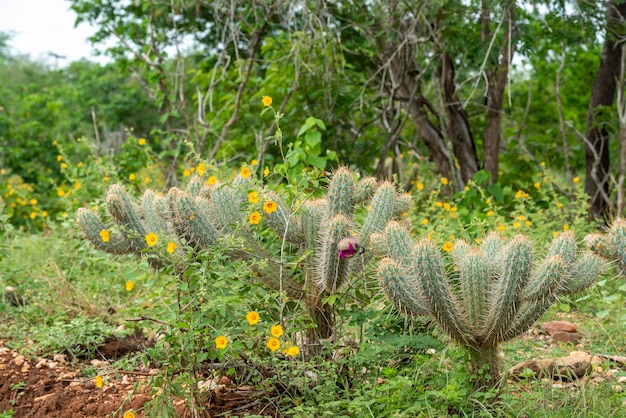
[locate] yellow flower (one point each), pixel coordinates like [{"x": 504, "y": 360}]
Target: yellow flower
[
  {"x": 537, "y": 185},
  {"x": 444, "y": 181},
  {"x": 269, "y": 206},
  {"x": 528, "y": 223},
  {"x": 419, "y": 185},
  {"x": 44, "y": 213},
  {"x": 438, "y": 204},
  {"x": 129, "y": 414},
  {"x": 99, "y": 381},
  {"x": 59, "y": 158},
  {"x": 543, "y": 163},
  {"x": 556, "y": 233},
  {"x": 171, "y": 247},
  {"x": 146, "y": 179},
  {"x": 152, "y": 239},
  {"x": 276, "y": 331},
  {"x": 253, "y": 197},
  {"x": 559, "y": 204},
  {"x": 266, "y": 172},
  {"x": 501, "y": 228},
  {"x": 488, "y": 202},
  {"x": 252, "y": 317},
  {"x": 33, "y": 215},
  {"x": 33, "y": 202},
  {"x": 446, "y": 206},
  {"x": 245, "y": 172},
  {"x": 267, "y": 101},
  {"x": 516, "y": 224},
  {"x": 254, "y": 162},
  {"x": 132, "y": 177},
  {"x": 490, "y": 213},
  {"x": 80, "y": 164},
  {"x": 424, "y": 221},
  {"x": 566, "y": 227},
  {"x": 129, "y": 285},
  {"x": 141, "y": 141},
  {"x": 273, "y": 344},
  {"x": 221, "y": 342},
  {"x": 447, "y": 246},
  {"x": 519, "y": 194},
  {"x": 104, "y": 234},
  {"x": 255, "y": 218},
  {"x": 186, "y": 173},
  {"x": 201, "y": 169},
  {"x": 467, "y": 188},
  {"x": 63, "y": 166},
  {"x": 211, "y": 181},
  {"x": 293, "y": 351},
  {"x": 54, "y": 142},
  {"x": 576, "y": 179}
]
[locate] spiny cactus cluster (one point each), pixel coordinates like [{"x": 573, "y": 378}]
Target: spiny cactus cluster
[
  {"x": 611, "y": 245},
  {"x": 491, "y": 293},
  {"x": 199, "y": 215}
]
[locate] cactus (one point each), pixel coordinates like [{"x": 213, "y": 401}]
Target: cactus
[
  {"x": 494, "y": 293},
  {"x": 199, "y": 216},
  {"x": 611, "y": 245}
]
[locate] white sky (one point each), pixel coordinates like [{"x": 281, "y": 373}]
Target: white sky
[{"x": 43, "y": 26}]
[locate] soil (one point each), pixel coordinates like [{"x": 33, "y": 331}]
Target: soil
[{"x": 56, "y": 388}]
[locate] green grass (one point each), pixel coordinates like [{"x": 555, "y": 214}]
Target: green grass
[{"x": 75, "y": 297}]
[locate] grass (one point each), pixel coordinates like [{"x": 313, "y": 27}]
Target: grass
[{"x": 75, "y": 296}]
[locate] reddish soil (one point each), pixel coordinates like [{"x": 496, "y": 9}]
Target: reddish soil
[{"x": 54, "y": 388}]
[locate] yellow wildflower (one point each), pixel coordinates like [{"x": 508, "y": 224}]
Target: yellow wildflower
[
  {"x": 447, "y": 246},
  {"x": 211, "y": 181},
  {"x": 201, "y": 169},
  {"x": 419, "y": 185},
  {"x": 63, "y": 166},
  {"x": 129, "y": 285},
  {"x": 171, "y": 247},
  {"x": 186, "y": 173},
  {"x": 576, "y": 179},
  {"x": 129, "y": 414},
  {"x": 252, "y": 317},
  {"x": 566, "y": 227},
  {"x": 273, "y": 344},
  {"x": 269, "y": 206},
  {"x": 254, "y": 162},
  {"x": 424, "y": 221},
  {"x": 245, "y": 172},
  {"x": 276, "y": 331},
  {"x": 152, "y": 239},
  {"x": 267, "y": 101},
  {"x": 444, "y": 181},
  {"x": 141, "y": 141},
  {"x": 221, "y": 342},
  {"x": 293, "y": 351},
  {"x": 253, "y": 197},
  {"x": 99, "y": 381},
  {"x": 104, "y": 234},
  {"x": 132, "y": 177},
  {"x": 266, "y": 172},
  {"x": 59, "y": 158},
  {"x": 255, "y": 218}
]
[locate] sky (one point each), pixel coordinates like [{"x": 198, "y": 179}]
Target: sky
[{"x": 43, "y": 26}]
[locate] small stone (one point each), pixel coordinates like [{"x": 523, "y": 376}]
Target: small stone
[
  {"x": 618, "y": 388},
  {"x": 565, "y": 337},
  {"x": 5, "y": 350},
  {"x": 41, "y": 363},
  {"x": 98, "y": 363},
  {"x": 559, "y": 326},
  {"x": 19, "y": 360},
  {"x": 60, "y": 358},
  {"x": 621, "y": 379},
  {"x": 52, "y": 364},
  {"x": 571, "y": 367},
  {"x": 225, "y": 380}
]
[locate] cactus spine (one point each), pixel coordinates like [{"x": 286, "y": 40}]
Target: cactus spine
[{"x": 494, "y": 293}]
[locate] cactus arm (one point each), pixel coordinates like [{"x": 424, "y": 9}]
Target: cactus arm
[
  {"x": 127, "y": 215},
  {"x": 341, "y": 192},
  {"x": 380, "y": 213},
  {"x": 92, "y": 225},
  {"x": 333, "y": 270},
  {"x": 400, "y": 289}
]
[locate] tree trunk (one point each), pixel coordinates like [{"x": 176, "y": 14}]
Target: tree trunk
[
  {"x": 602, "y": 94},
  {"x": 458, "y": 128},
  {"x": 497, "y": 74},
  {"x": 405, "y": 87}
]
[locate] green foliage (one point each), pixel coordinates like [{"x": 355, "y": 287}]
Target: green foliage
[{"x": 490, "y": 294}]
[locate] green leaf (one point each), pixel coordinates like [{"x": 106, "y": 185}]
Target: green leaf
[
  {"x": 313, "y": 138},
  {"x": 496, "y": 192},
  {"x": 317, "y": 162}
]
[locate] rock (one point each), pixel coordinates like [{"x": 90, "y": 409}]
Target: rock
[
  {"x": 60, "y": 358},
  {"x": 569, "y": 368},
  {"x": 618, "y": 388},
  {"x": 621, "y": 379},
  {"x": 19, "y": 360},
  {"x": 564, "y": 368},
  {"x": 559, "y": 326},
  {"x": 565, "y": 337}
]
